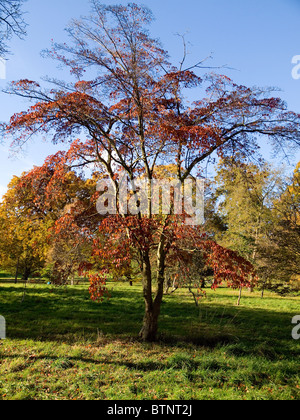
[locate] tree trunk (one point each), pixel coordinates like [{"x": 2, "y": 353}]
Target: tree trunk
[
  {"x": 26, "y": 274},
  {"x": 17, "y": 271},
  {"x": 240, "y": 296},
  {"x": 263, "y": 290},
  {"x": 150, "y": 324},
  {"x": 152, "y": 306},
  {"x": 152, "y": 311},
  {"x": 168, "y": 285},
  {"x": 148, "y": 331}
]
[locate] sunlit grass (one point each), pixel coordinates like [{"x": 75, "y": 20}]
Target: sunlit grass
[{"x": 61, "y": 345}]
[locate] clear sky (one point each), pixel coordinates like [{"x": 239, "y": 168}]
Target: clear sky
[{"x": 258, "y": 38}]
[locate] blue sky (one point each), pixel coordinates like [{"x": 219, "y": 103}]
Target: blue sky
[{"x": 258, "y": 38}]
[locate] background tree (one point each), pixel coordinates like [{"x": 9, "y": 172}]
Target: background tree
[
  {"x": 246, "y": 192},
  {"x": 23, "y": 244},
  {"x": 259, "y": 212},
  {"x": 42, "y": 221},
  {"x": 281, "y": 246},
  {"x": 131, "y": 112}
]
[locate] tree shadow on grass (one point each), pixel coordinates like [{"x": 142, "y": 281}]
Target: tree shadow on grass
[
  {"x": 70, "y": 316},
  {"x": 67, "y": 362}
]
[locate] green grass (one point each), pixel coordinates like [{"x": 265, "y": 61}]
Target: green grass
[
  {"x": 7, "y": 276},
  {"x": 61, "y": 345}
]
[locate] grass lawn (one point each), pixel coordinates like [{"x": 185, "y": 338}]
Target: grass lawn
[{"x": 61, "y": 345}]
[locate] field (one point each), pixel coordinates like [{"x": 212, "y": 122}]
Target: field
[{"x": 61, "y": 345}]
